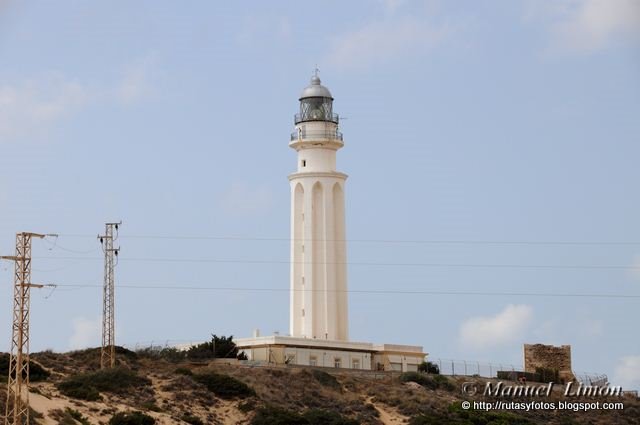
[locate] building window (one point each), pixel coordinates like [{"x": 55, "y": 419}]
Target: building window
[
  {"x": 303, "y": 312},
  {"x": 355, "y": 363},
  {"x": 304, "y": 162},
  {"x": 337, "y": 362},
  {"x": 313, "y": 361}
]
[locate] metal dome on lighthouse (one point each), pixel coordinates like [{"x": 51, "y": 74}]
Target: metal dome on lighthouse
[{"x": 316, "y": 103}]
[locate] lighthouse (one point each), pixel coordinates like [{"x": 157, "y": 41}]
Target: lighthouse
[
  {"x": 318, "y": 312},
  {"x": 318, "y": 296}
]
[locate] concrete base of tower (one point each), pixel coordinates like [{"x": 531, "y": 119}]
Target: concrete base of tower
[{"x": 286, "y": 350}]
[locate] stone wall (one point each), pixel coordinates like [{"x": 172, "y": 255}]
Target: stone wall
[{"x": 549, "y": 357}]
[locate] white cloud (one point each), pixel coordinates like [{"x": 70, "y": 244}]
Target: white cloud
[
  {"x": 244, "y": 200},
  {"x": 86, "y": 333},
  {"x": 382, "y": 41},
  {"x": 505, "y": 327},
  {"x": 590, "y": 25},
  {"x": 33, "y": 105},
  {"x": 627, "y": 373},
  {"x": 135, "y": 84},
  {"x": 255, "y": 29}
]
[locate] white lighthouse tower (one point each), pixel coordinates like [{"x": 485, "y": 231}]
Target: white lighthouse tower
[
  {"x": 318, "y": 304},
  {"x": 319, "y": 322}
]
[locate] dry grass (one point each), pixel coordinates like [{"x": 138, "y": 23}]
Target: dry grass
[{"x": 174, "y": 395}]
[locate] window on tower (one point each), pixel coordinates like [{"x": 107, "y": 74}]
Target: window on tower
[
  {"x": 304, "y": 162},
  {"x": 316, "y": 109}
]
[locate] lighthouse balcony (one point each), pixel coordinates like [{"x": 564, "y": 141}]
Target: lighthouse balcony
[{"x": 316, "y": 135}]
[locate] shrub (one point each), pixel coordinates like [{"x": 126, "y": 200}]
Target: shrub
[
  {"x": 68, "y": 417},
  {"x": 220, "y": 347},
  {"x": 325, "y": 379},
  {"x": 87, "y": 386},
  {"x": 271, "y": 415},
  {"x": 183, "y": 371},
  {"x": 36, "y": 372},
  {"x": 80, "y": 391},
  {"x": 131, "y": 418},
  {"x": 191, "y": 419},
  {"x": 429, "y": 367},
  {"x": 247, "y": 406},
  {"x": 430, "y": 382},
  {"x": 326, "y": 417},
  {"x": 461, "y": 416},
  {"x": 419, "y": 378},
  {"x": 170, "y": 354},
  {"x": 276, "y": 416},
  {"x": 224, "y": 386},
  {"x": 444, "y": 383},
  {"x": 430, "y": 419}
]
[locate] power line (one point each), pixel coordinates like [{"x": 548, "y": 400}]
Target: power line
[
  {"x": 389, "y": 241},
  {"x": 357, "y": 291},
  {"x": 369, "y": 264}
]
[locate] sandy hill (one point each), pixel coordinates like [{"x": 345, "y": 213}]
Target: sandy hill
[{"x": 143, "y": 389}]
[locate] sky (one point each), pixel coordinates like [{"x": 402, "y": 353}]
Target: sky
[{"x": 492, "y": 151}]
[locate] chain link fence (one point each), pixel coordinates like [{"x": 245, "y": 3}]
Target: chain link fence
[{"x": 474, "y": 368}]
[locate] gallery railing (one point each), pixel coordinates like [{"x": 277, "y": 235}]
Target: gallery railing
[{"x": 316, "y": 135}]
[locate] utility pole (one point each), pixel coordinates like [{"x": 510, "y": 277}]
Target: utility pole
[
  {"x": 17, "y": 407},
  {"x": 108, "y": 353}
]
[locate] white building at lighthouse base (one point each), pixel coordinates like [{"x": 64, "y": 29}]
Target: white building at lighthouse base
[{"x": 287, "y": 350}]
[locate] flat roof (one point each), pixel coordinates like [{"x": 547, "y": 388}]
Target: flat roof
[{"x": 326, "y": 344}]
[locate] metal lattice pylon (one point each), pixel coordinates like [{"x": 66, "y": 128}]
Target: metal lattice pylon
[
  {"x": 108, "y": 353},
  {"x": 17, "y": 406}
]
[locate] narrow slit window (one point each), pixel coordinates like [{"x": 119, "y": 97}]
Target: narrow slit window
[{"x": 304, "y": 162}]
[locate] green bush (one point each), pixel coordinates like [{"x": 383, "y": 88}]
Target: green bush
[
  {"x": 443, "y": 382},
  {"x": 183, "y": 371},
  {"x": 36, "y": 372},
  {"x": 326, "y": 417},
  {"x": 220, "y": 347},
  {"x": 325, "y": 379},
  {"x": 247, "y": 406},
  {"x": 431, "y": 419},
  {"x": 271, "y": 415},
  {"x": 457, "y": 415},
  {"x": 87, "y": 386},
  {"x": 170, "y": 354},
  {"x": 428, "y": 381},
  {"x": 68, "y": 417},
  {"x": 191, "y": 419},
  {"x": 131, "y": 418},
  {"x": 429, "y": 367},
  {"x": 224, "y": 386},
  {"x": 79, "y": 391}
]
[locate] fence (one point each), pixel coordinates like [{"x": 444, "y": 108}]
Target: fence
[
  {"x": 472, "y": 368},
  {"x": 490, "y": 370}
]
